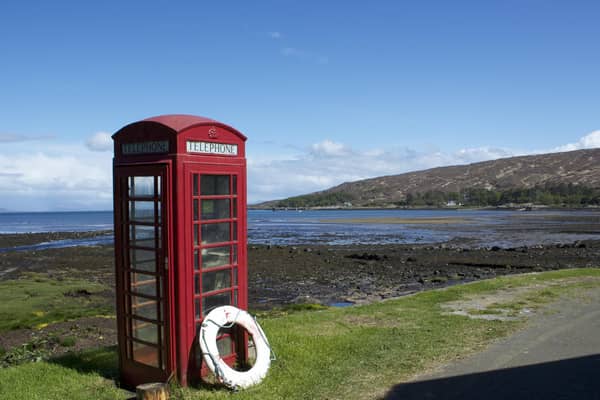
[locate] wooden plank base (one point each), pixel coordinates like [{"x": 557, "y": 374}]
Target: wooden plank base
[{"x": 152, "y": 391}]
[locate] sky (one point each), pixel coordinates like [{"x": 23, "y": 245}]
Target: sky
[{"x": 325, "y": 91}]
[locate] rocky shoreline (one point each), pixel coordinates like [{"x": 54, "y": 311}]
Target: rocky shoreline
[
  {"x": 280, "y": 275},
  {"x": 362, "y": 274}
]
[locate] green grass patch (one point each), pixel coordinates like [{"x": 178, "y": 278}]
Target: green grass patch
[
  {"x": 334, "y": 353},
  {"x": 89, "y": 375},
  {"x": 69, "y": 341},
  {"x": 35, "y": 300}
]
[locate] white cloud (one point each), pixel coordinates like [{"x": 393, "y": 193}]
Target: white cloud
[
  {"x": 100, "y": 141},
  {"x": 323, "y": 165},
  {"x": 329, "y": 148},
  {"x": 35, "y": 176},
  {"x": 274, "y": 35},
  {"x": 58, "y": 178},
  {"x": 476, "y": 154},
  {"x": 589, "y": 141}
]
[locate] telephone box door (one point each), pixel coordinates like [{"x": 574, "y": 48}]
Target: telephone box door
[
  {"x": 141, "y": 205},
  {"x": 217, "y": 206}
]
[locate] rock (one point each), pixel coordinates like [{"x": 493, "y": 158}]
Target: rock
[
  {"x": 365, "y": 256},
  {"x": 78, "y": 293}
]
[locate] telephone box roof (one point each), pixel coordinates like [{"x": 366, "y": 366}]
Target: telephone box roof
[{"x": 180, "y": 122}]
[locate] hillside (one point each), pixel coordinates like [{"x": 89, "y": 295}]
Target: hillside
[{"x": 556, "y": 178}]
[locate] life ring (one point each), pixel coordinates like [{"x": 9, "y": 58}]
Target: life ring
[{"x": 227, "y": 316}]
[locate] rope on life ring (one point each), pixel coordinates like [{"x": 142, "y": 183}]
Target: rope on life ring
[{"x": 226, "y": 317}]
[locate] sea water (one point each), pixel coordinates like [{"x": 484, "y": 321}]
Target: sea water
[{"x": 477, "y": 228}]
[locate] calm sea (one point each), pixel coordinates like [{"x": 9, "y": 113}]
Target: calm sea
[
  {"x": 475, "y": 227},
  {"x": 56, "y": 222}
]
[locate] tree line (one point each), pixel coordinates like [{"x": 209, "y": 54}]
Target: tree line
[{"x": 556, "y": 195}]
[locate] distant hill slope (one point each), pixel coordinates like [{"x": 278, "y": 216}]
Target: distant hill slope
[{"x": 556, "y": 174}]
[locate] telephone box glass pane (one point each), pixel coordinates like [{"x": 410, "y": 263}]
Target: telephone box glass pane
[
  {"x": 142, "y": 260},
  {"x": 197, "y": 284},
  {"x": 195, "y": 184},
  {"x": 196, "y": 259},
  {"x": 143, "y": 307},
  {"x": 145, "y": 331},
  {"x": 143, "y": 284},
  {"x": 215, "y": 233},
  {"x": 141, "y": 186},
  {"x": 141, "y": 235},
  {"x": 215, "y": 256},
  {"x": 214, "y": 185},
  {"x": 215, "y": 209},
  {"x": 141, "y": 211},
  {"x": 145, "y": 354},
  {"x": 214, "y": 301},
  {"x": 197, "y": 303},
  {"x": 216, "y": 280},
  {"x": 196, "y": 210},
  {"x": 158, "y": 212}
]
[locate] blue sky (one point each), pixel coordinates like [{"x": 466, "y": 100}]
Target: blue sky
[{"x": 326, "y": 91}]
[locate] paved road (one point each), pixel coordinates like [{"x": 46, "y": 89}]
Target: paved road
[{"x": 556, "y": 357}]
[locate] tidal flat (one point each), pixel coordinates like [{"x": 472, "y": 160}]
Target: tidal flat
[{"x": 279, "y": 276}]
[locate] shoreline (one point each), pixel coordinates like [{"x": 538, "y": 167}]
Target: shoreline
[
  {"x": 280, "y": 275},
  {"x": 524, "y": 207},
  {"x": 360, "y": 274}
]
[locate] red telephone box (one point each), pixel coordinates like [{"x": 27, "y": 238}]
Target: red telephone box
[{"x": 180, "y": 243}]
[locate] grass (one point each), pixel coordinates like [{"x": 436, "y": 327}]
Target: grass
[
  {"x": 345, "y": 353},
  {"x": 88, "y": 375},
  {"x": 68, "y": 341},
  {"x": 36, "y": 300}
]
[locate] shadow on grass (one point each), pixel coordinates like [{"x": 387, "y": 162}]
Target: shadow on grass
[
  {"x": 575, "y": 378},
  {"x": 103, "y": 361}
]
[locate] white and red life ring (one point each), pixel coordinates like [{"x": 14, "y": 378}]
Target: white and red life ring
[{"x": 226, "y": 316}]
